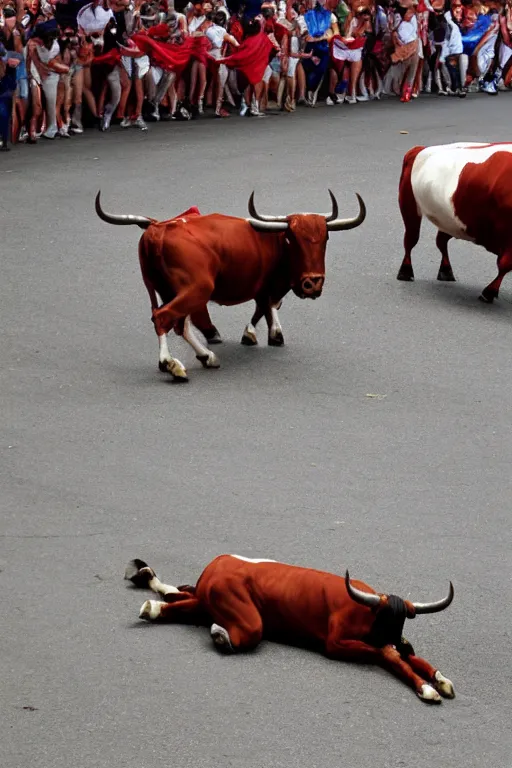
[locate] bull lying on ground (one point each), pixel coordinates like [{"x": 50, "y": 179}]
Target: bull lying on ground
[
  {"x": 193, "y": 259},
  {"x": 465, "y": 190},
  {"x": 244, "y": 600}
]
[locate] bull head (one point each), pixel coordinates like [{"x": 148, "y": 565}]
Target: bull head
[
  {"x": 391, "y": 612},
  {"x": 306, "y": 237}
]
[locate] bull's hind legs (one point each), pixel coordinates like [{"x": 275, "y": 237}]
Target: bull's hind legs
[
  {"x": 504, "y": 267},
  {"x": 144, "y": 577},
  {"x": 168, "y": 364},
  {"x": 206, "y": 357}
]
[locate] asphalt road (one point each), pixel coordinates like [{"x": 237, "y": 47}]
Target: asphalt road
[{"x": 281, "y": 453}]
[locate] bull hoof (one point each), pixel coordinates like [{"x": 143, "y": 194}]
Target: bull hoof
[
  {"x": 429, "y": 694},
  {"x": 215, "y": 339},
  {"x": 444, "y": 686},
  {"x": 175, "y": 368},
  {"x": 446, "y": 276},
  {"x": 221, "y": 639},
  {"x": 405, "y": 273},
  {"x": 212, "y": 336},
  {"x": 150, "y": 610},
  {"x": 487, "y": 298},
  {"x": 277, "y": 340},
  {"x": 139, "y": 573},
  {"x": 209, "y": 361},
  {"x": 249, "y": 337}
]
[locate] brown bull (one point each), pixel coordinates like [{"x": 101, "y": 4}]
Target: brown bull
[
  {"x": 193, "y": 259},
  {"x": 243, "y": 600}
]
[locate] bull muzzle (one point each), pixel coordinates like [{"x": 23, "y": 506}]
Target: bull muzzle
[{"x": 311, "y": 286}]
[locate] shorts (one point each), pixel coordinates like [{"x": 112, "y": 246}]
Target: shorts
[
  {"x": 348, "y": 55},
  {"x": 136, "y": 67},
  {"x": 505, "y": 54}
]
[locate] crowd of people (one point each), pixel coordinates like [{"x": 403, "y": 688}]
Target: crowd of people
[{"x": 66, "y": 64}]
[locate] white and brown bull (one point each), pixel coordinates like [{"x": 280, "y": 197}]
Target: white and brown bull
[
  {"x": 465, "y": 190},
  {"x": 243, "y": 600}
]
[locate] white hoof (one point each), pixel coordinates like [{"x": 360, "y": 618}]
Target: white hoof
[
  {"x": 150, "y": 610},
  {"x": 220, "y": 637},
  {"x": 175, "y": 368},
  {"x": 427, "y": 693},
  {"x": 209, "y": 361},
  {"x": 444, "y": 686},
  {"x": 249, "y": 337}
]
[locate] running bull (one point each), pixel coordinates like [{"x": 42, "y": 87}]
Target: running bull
[
  {"x": 464, "y": 189},
  {"x": 192, "y": 259},
  {"x": 243, "y": 600}
]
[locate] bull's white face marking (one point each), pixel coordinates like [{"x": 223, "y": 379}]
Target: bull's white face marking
[
  {"x": 253, "y": 559},
  {"x": 220, "y": 637},
  {"x": 435, "y": 176},
  {"x": 208, "y": 359},
  {"x": 275, "y": 326},
  {"x": 150, "y": 610},
  {"x": 444, "y": 686},
  {"x": 427, "y": 693}
]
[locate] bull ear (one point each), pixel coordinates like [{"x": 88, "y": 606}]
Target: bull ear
[
  {"x": 337, "y": 225},
  {"x": 268, "y": 226}
]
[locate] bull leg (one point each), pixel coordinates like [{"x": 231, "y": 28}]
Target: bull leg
[
  {"x": 432, "y": 675},
  {"x": 249, "y": 338},
  {"x": 388, "y": 658},
  {"x": 412, "y": 222},
  {"x": 144, "y": 577},
  {"x": 187, "y": 610},
  {"x": 203, "y": 322},
  {"x": 275, "y": 332},
  {"x": 504, "y": 266},
  {"x": 238, "y": 625},
  {"x": 168, "y": 364},
  {"x": 445, "y": 269},
  {"x": 203, "y": 354},
  {"x": 187, "y": 302}
]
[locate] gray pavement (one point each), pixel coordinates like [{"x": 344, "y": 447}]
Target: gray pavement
[{"x": 280, "y": 453}]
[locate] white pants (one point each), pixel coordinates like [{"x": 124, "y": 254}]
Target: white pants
[{"x": 138, "y": 67}]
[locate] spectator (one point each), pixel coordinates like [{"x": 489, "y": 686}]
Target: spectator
[{"x": 66, "y": 64}]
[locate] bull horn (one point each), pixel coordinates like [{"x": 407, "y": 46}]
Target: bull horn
[
  {"x": 440, "y": 605},
  {"x": 336, "y": 225},
  {"x": 255, "y": 215},
  {"x": 334, "y": 213},
  {"x": 365, "y": 598},
  {"x": 268, "y": 226},
  {"x": 110, "y": 218}
]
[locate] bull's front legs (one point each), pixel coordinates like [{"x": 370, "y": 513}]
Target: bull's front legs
[
  {"x": 168, "y": 364},
  {"x": 275, "y": 331},
  {"x": 387, "y": 657}
]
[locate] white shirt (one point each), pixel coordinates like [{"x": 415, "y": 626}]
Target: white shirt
[
  {"x": 195, "y": 23},
  {"x": 216, "y": 35},
  {"x": 93, "y": 20},
  {"x": 407, "y": 31}
]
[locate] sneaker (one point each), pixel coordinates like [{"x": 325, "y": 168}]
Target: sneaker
[
  {"x": 125, "y": 123},
  {"x": 155, "y": 114},
  {"x": 351, "y": 99},
  {"x": 490, "y": 88},
  {"x": 23, "y": 135},
  {"x": 364, "y": 97},
  {"x": 330, "y": 102},
  {"x": 139, "y": 122},
  {"x": 76, "y": 128},
  {"x": 63, "y": 132},
  {"x": 243, "y": 109},
  {"x": 51, "y": 133}
]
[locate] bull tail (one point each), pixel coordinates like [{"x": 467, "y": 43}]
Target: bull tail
[{"x": 110, "y": 218}]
